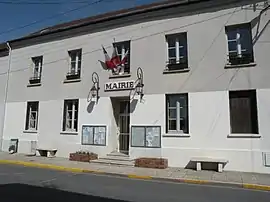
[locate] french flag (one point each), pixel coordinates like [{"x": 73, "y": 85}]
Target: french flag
[
  {"x": 115, "y": 58},
  {"x": 124, "y": 60},
  {"x": 114, "y": 62},
  {"x": 108, "y": 61}
]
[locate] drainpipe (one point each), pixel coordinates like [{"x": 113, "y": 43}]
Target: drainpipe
[{"x": 5, "y": 97}]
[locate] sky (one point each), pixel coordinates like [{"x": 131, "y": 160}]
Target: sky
[{"x": 21, "y": 17}]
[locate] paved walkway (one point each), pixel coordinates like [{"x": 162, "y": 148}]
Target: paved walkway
[{"x": 179, "y": 174}]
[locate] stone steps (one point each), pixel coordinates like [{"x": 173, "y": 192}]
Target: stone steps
[{"x": 115, "y": 159}]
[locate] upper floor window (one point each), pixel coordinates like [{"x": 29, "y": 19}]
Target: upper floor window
[
  {"x": 37, "y": 69},
  {"x": 70, "y": 115},
  {"x": 177, "y": 113},
  {"x": 177, "y": 51},
  {"x": 243, "y": 112},
  {"x": 32, "y": 116},
  {"x": 75, "y": 57},
  {"x": 123, "y": 52},
  {"x": 240, "y": 45}
]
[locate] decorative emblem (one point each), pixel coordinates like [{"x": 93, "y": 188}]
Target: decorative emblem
[{"x": 114, "y": 63}]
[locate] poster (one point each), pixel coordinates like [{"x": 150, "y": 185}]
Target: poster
[
  {"x": 94, "y": 135},
  {"x": 146, "y": 136},
  {"x": 138, "y": 136},
  {"x": 87, "y": 133},
  {"x": 153, "y": 136}
]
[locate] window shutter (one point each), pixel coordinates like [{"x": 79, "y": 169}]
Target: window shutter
[
  {"x": 64, "y": 116},
  {"x": 166, "y": 113},
  {"x": 27, "y": 117},
  {"x": 243, "y": 112},
  {"x": 240, "y": 115}
]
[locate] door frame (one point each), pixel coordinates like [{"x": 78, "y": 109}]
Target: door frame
[{"x": 124, "y": 138}]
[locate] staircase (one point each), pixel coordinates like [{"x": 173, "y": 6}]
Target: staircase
[{"x": 115, "y": 158}]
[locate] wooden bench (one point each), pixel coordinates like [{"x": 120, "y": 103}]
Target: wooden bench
[
  {"x": 49, "y": 152},
  {"x": 200, "y": 160}
]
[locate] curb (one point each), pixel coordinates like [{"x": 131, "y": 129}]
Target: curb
[{"x": 133, "y": 176}]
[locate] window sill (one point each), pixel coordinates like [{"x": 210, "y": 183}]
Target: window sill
[
  {"x": 72, "y": 80},
  {"x": 97, "y": 145},
  {"x": 119, "y": 76},
  {"x": 178, "y": 135},
  {"x": 33, "y": 84},
  {"x": 166, "y": 71},
  {"x": 241, "y": 135},
  {"x": 68, "y": 133},
  {"x": 30, "y": 131},
  {"x": 228, "y": 66}
]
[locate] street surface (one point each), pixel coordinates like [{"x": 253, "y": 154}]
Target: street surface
[{"x": 21, "y": 183}]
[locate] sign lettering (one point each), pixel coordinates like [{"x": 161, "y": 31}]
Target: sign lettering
[{"x": 119, "y": 85}]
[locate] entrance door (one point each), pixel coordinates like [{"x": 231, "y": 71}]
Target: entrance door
[{"x": 124, "y": 121}]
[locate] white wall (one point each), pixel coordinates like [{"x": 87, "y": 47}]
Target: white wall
[
  {"x": 50, "y": 134},
  {"x": 207, "y": 56},
  {"x": 149, "y": 111},
  {"x": 207, "y": 84},
  {"x": 3, "y": 82},
  {"x": 209, "y": 132}
]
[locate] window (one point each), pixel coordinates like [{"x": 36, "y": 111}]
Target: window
[
  {"x": 122, "y": 48},
  {"x": 94, "y": 135},
  {"x": 37, "y": 63},
  {"x": 177, "y": 51},
  {"x": 177, "y": 113},
  {"x": 243, "y": 112},
  {"x": 70, "y": 116},
  {"x": 32, "y": 116},
  {"x": 75, "y": 57},
  {"x": 146, "y": 136},
  {"x": 240, "y": 45}
]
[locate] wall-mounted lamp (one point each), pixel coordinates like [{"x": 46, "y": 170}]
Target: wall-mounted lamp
[
  {"x": 140, "y": 84},
  {"x": 95, "y": 88}
]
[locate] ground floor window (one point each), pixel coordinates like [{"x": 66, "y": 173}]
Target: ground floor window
[
  {"x": 94, "y": 135},
  {"x": 70, "y": 115},
  {"x": 177, "y": 113},
  {"x": 32, "y": 116},
  {"x": 146, "y": 136},
  {"x": 243, "y": 111}
]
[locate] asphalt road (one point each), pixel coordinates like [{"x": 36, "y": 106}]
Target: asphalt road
[{"x": 21, "y": 183}]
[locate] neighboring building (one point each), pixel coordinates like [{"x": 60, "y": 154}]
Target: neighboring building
[
  {"x": 4, "y": 58},
  {"x": 206, "y": 83}
]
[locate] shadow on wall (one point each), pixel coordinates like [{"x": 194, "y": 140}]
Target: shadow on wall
[
  {"x": 90, "y": 106},
  {"x": 23, "y": 192},
  {"x": 133, "y": 105}
]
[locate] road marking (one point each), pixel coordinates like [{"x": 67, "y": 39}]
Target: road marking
[
  {"x": 46, "y": 181},
  {"x": 139, "y": 177},
  {"x": 177, "y": 182},
  {"x": 11, "y": 174},
  {"x": 257, "y": 187}
]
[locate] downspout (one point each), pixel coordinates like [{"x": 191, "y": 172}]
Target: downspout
[{"x": 5, "y": 97}]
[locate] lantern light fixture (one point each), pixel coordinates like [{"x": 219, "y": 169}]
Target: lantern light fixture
[{"x": 95, "y": 88}]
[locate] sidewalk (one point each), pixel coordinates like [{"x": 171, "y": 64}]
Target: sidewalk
[{"x": 226, "y": 178}]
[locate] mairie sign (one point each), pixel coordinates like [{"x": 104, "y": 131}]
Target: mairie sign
[{"x": 119, "y": 85}]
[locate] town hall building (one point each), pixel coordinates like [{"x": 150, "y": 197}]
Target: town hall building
[{"x": 175, "y": 79}]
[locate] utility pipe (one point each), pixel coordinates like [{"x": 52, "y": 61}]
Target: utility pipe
[{"x": 5, "y": 97}]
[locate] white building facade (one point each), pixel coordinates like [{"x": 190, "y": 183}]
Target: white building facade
[{"x": 205, "y": 74}]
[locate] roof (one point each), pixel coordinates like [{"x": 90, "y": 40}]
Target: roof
[
  {"x": 3, "y": 47},
  {"x": 116, "y": 15},
  {"x": 109, "y": 16}
]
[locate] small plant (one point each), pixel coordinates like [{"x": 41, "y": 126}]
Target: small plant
[
  {"x": 83, "y": 156},
  {"x": 82, "y": 152}
]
